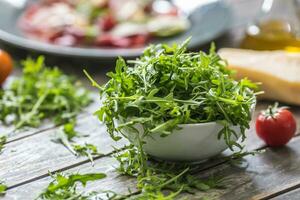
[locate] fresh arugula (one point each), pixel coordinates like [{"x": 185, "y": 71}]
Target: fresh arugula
[
  {"x": 88, "y": 150},
  {"x": 65, "y": 186},
  {"x": 165, "y": 87},
  {"x": 168, "y": 86},
  {"x": 162, "y": 176},
  {"x": 65, "y": 135},
  {"x": 41, "y": 92},
  {"x": 2, "y": 142},
  {"x": 3, "y": 188}
]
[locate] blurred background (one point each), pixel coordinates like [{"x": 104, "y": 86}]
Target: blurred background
[{"x": 128, "y": 26}]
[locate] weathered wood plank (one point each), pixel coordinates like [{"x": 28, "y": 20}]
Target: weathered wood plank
[
  {"x": 34, "y": 156},
  {"x": 53, "y": 161},
  {"x": 292, "y": 195},
  {"x": 114, "y": 181},
  {"x": 271, "y": 171}
]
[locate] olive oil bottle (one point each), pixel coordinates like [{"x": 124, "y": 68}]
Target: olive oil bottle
[{"x": 277, "y": 27}]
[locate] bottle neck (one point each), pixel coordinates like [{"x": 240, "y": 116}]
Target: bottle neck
[{"x": 281, "y": 9}]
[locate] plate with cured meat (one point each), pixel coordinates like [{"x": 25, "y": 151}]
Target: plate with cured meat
[{"x": 108, "y": 28}]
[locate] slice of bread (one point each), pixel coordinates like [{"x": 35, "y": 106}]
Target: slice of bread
[{"x": 278, "y": 71}]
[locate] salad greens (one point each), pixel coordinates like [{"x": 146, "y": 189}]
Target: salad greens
[
  {"x": 162, "y": 176},
  {"x": 168, "y": 86},
  {"x": 41, "y": 93},
  {"x": 65, "y": 136},
  {"x": 2, "y": 142},
  {"x": 88, "y": 150},
  {"x": 3, "y": 188},
  {"x": 165, "y": 87},
  {"x": 65, "y": 186}
]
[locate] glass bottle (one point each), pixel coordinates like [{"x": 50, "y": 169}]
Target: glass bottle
[{"x": 276, "y": 27}]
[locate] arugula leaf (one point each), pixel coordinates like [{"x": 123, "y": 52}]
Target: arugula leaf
[
  {"x": 2, "y": 189},
  {"x": 40, "y": 93},
  {"x": 69, "y": 130},
  {"x": 64, "y": 186},
  {"x": 88, "y": 150},
  {"x": 2, "y": 142},
  {"x": 65, "y": 135},
  {"x": 172, "y": 178}
]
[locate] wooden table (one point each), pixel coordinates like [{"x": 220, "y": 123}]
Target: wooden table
[{"x": 30, "y": 155}]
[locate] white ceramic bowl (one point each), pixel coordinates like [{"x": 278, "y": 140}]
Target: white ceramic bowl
[{"x": 193, "y": 142}]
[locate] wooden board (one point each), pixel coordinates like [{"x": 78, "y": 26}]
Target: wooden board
[
  {"x": 32, "y": 157},
  {"x": 265, "y": 174},
  {"x": 25, "y": 160},
  {"x": 113, "y": 181},
  {"x": 292, "y": 195}
]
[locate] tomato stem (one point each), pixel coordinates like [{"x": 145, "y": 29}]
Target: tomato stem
[{"x": 272, "y": 110}]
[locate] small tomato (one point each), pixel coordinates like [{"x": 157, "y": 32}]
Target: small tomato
[
  {"x": 276, "y": 126},
  {"x": 6, "y": 66}
]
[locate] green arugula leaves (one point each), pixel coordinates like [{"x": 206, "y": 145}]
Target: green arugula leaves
[
  {"x": 168, "y": 86},
  {"x": 3, "y": 188},
  {"x": 165, "y": 87},
  {"x": 65, "y": 135},
  {"x": 2, "y": 142},
  {"x": 65, "y": 186},
  {"x": 162, "y": 180},
  {"x": 41, "y": 92}
]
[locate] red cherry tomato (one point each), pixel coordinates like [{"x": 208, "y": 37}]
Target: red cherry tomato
[
  {"x": 6, "y": 65},
  {"x": 276, "y": 126}
]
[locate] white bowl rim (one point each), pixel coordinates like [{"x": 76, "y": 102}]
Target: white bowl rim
[{"x": 199, "y": 124}]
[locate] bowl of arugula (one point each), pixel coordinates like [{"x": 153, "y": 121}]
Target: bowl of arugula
[{"x": 177, "y": 105}]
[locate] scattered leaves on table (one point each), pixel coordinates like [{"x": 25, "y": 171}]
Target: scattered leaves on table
[
  {"x": 65, "y": 136},
  {"x": 41, "y": 92},
  {"x": 169, "y": 177},
  {"x": 3, "y": 188},
  {"x": 2, "y": 142},
  {"x": 65, "y": 186}
]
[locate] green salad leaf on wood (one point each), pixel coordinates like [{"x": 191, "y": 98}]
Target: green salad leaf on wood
[
  {"x": 2, "y": 142},
  {"x": 41, "y": 92},
  {"x": 65, "y": 186},
  {"x": 3, "y": 189},
  {"x": 168, "y": 86}
]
